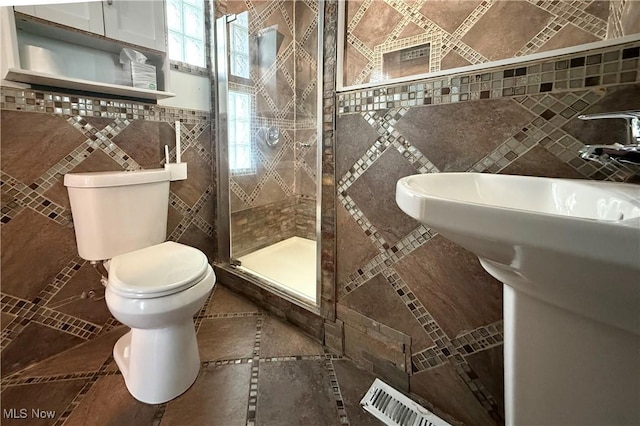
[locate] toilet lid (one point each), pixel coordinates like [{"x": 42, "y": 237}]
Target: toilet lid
[{"x": 157, "y": 271}]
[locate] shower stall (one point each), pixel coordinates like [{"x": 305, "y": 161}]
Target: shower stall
[{"x": 267, "y": 65}]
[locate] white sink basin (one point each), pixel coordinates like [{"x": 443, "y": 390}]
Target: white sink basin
[
  {"x": 525, "y": 230},
  {"x": 568, "y": 252}
]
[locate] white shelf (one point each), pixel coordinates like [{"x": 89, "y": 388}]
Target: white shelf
[{"x": 43, "y": 79}]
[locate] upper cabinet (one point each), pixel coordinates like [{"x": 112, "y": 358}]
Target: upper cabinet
[
  {"x": 80, "y": 46},
  {"x": 83, "y": 16},
  {"x": 137, "y": 22}
]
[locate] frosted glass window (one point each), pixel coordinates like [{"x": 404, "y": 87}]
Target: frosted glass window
[
  {"x": 239, "y": 46},
  {"x": 185, "y": 21},
  {"x": 241, "y": 156}
]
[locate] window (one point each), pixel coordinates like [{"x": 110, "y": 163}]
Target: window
[
  {"x": 239, "y": 46},
  {"x": 185, "y": 20},
  {"x": 241, "y": 158}
]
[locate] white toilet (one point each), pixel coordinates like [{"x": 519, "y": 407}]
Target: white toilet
[{"x": 154, "y": 287}]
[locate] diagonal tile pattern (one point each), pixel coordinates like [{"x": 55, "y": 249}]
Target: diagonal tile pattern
[
  {"x": 283, "y": 389},
  {"x": 540, "y": 124},
  {"x": 466, "y": 29},
  {"x": 282, "y": 90},
  {"x": 61, "y": 289}
]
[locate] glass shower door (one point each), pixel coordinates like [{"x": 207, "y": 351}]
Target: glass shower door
[{"x": 268, "y": 87}]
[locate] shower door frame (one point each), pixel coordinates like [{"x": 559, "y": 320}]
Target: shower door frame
[{"x": 221, "y": 61}]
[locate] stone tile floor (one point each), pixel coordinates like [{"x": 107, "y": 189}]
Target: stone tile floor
[{"x": 256, "y": 369}]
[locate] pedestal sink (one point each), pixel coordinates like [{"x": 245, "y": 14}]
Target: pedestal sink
[{"x": 568, "y": 253}]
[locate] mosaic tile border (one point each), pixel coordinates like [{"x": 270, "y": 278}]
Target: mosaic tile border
[
  {"x": 89, "y": 106},
  {"x": 595, "y": 68},
  {"x": 252, "y": 402},
  {"x": 337, "y": 394}
]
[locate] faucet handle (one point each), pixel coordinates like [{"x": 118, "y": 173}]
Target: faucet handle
[
  {"x": 629, "y": 115},
  {"x": 632, "y": 118}
]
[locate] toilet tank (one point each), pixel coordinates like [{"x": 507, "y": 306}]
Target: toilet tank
[{"x": 118, "y": 212}]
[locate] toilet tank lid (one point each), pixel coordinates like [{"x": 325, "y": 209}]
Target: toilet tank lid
[{"x": 121, "y": 178}]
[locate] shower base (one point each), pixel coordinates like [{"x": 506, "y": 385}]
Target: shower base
[{"x": 289, "y": 264}]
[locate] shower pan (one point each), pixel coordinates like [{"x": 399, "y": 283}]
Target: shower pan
[{"x": 267, "y": 132}]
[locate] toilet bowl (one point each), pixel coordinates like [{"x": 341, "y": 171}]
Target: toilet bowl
[
  {"x": 153, "y": 286},
  {"x": 156, "y": 291}
]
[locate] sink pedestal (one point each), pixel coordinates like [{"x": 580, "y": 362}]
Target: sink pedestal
[{"x": 565, "y": 369}]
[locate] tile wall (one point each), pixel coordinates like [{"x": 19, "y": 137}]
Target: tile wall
[
  {"x": 445, "y": 34},
  {"x": 282, "y": 90},
  {"x": 411, "y": 305},
  {"x": 51, "y": 298}
]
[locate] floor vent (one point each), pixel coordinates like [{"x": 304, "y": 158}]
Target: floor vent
[{"x": 393, "y": 408}]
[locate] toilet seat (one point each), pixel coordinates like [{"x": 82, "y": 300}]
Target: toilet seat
[{"x": 157, "y": 271}]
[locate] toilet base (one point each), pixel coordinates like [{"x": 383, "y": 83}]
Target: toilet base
[{"x": 158, "y": 364}]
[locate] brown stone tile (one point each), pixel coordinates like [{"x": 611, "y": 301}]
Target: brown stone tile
[
  {"x": 367, "y": 351},
  {"x": 442, "y": 387},
  {"x": 452, "y": 285},
  {"x": 226, "y": 338},
  {"x": 387, "y": 308},
  {"x": 455, "y": 148},
  {"x": 311, "y": 43},
  {"x": 277, "y": 18},
  {"x": 307, "y": 186},
  {"x": 411, "y": 30},
  {"x": 516, "y": 23},
  {"x": 5, "y": 320},
  {"x": 354, "y": 248},
  {"x": 489, "y": 366},
  {"x": 194, "y": 237},
  {"x": 199, "y": 178},
  {"x": 34, "y": 251},
  {"x": 97, "y": 161},
  {"x": 376, "y": 24},
  {"x": 86, "y": 357},
  {"x": 570, "y": 35},
  {"x": 449, "y": 14},
  {"x": 360, "y": 136},
  {"x": 174, "y": 217},
  {"x": 631, "y": 18},
  {"x": 34, "y": 344},
  {"x": 218, "y": 397},
  {"x": 52, "y": 397},
  {"x": 453, "y": 60},
  {"x": 85, "y": 279},
  {"x": 236, "y": 203},
  {"x": 144, "y": 141},
  {"x": 108, "y": 402},
  {"x": 233, "y": 6},
  {"x": 295, "y": 393},
  {"x": 32, "y": 143},
  {"x": 354, "y": 63},
  {"x": 225, "y": 301},
  {"x": 354, "y": 383},
  {"x": 540, "y": 162},
  {"x": 375, "y": 193},
  {"x": 599, "y": 8},
  {"x": 594, "y": 132},
  {"x": 281, "y": 339},
  {"x": 270, "y": 192}
]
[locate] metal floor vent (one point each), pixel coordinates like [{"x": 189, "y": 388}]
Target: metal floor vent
[{"x": 393, "y": 408}]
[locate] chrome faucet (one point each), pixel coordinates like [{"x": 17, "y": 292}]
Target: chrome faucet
[{"x": 628, "y": 153}]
